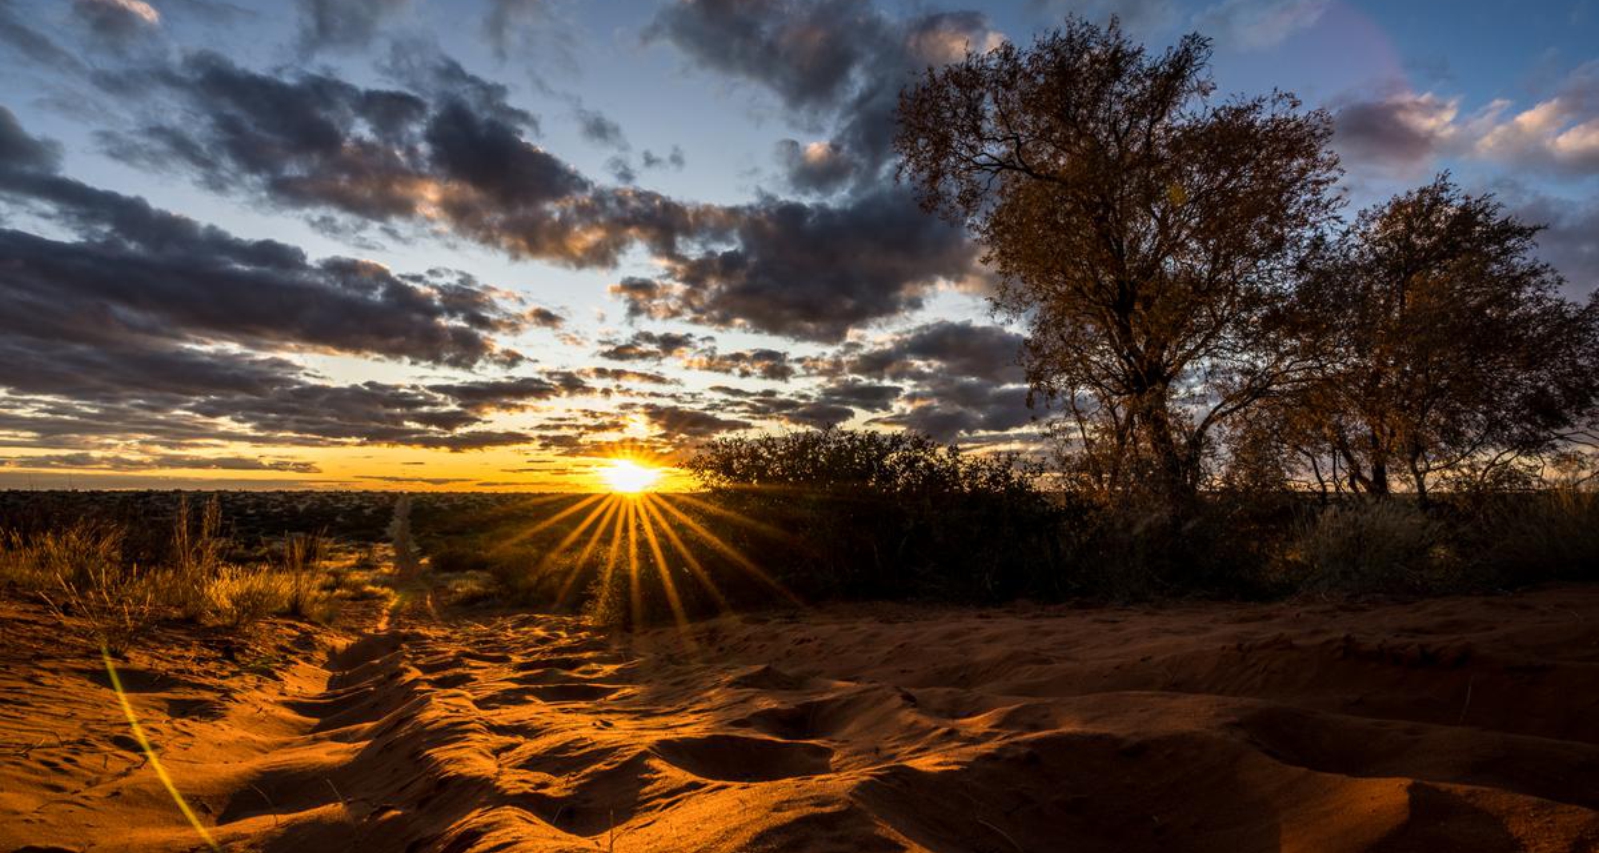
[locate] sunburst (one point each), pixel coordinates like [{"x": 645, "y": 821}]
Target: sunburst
[{"x": 629, "y": 476}]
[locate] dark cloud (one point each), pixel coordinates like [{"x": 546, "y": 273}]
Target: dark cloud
[
  {"x": 599, "y": 129},
  {"x": 460, "y": 442},
  {"x": 1570, "y": 239},
  {"x": 808, "y": 53},
  {"x": 958, "y": 378},
  {"x": 458, "y": 155},
  {"x": 815, "y": 271},
  {"x": 151, "y": 327},
  {"x": 829, "y": 61},
  {"x": 429, "y": 481},
  {"x": 948, "y": 408},
  {"x": 817, "y": 415},
  {"x": 673, "y": 158},
  {"x": 684, "y": 422},
  {"x": 799, "y": 409},
  {"x": 621, "y": 170},
  {"x": 819, "y": 167},
  {"x": 452, "y": 152},
  {"x": 163, "y": 461},
  {"x": 872, "y": 397},
  {"x": 21, "y": 152},
  {"x": 1404, "y": 131},
  {"x": 141, "y": 272},
  {"x": 645, "y": 345},
  {"x": 544, "y": 318},
  {"x": 942, "y": 348},
  {"x": 763, "y": 363},
  {"x": 344, "y": 23},
  {"x": 509, "y": 394},
  {"x": 642, "y": 296}
]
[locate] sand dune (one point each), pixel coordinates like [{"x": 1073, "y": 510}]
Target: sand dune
[{"x": 1455, "y": 724}]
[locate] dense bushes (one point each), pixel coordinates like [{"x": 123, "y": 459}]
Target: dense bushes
[
  {"x": 833, "y": 515},
  {"x": 888, "y": 515}
]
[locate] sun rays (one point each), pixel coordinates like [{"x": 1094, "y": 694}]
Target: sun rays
[{"x": 653, "y": 553}]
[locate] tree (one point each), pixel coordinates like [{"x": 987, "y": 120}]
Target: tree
[
  {"x": 1146, "y": 233},
  {"x": 1449, "y": 344}
]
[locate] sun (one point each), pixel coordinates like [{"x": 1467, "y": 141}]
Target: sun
[{"x": 629, "y": 477}]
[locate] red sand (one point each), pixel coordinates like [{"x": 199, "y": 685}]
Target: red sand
[{"x": 1455, "y": 724}]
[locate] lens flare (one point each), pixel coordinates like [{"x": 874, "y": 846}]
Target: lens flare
[{"x": 629, "y": 477}]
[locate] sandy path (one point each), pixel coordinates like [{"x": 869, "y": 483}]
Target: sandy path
[{"x": 1460, "y": 724}]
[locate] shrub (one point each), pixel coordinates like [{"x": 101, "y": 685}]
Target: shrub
[
  {"x": 460, "y": 559},
  {"x": 1387, "y": 545}
]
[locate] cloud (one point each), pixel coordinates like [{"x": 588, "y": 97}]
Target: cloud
[
  {"x": 648, "y": 346},
  {"x": 1570, "y": 240},
  {"x": 673, "y": 158},
  {"x": 344, "y": 23},
  {"x": 158, "y": 462},
  {"x": 948, "y": 408},
  {"x": 450, "y": 152},
  {"x": 599, "y": 129},
  {"x": 814, "y": 271},
  {"x": 24, "y": 153},
  {"x": 818, "y": 415},
  {"x": 617, "y": 374},
  {"x": 430, "y": 481},
  {"x": 1559, "y": 134},
  {"x": 943, "y": 347},
  {"x": 763, "y": 363},
  {"x": 827, "y": 61},
  {"x": 544, "y": 318},
  {"x": 33, "y": 45},
  {"x": 1408, "y": 131},
  {"x": 687, "y": 423},
  {"x": 870, "y": 396},
  {"x": 816, "y": 167},
  {"x": 507, "y": 19},
  {"x": 509, "y": 394},
  {"x": 117, "y": 20},
  {"x": 1405, "y": 130},
  {"x": 458, "y": 157},
  {"x": 1258, "y": 24},
  {"x": 955, "y": 379},
  {"x": 145, "y": 325}
]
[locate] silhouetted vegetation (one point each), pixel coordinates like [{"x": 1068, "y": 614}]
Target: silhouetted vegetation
[
  {"x": 889, "y": 515},
  {"x": 1243, "y": 378},
  {"x": 1148, "y": 235}
]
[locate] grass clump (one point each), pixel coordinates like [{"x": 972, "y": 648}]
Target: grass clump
[{"x": 82, "y": 571}]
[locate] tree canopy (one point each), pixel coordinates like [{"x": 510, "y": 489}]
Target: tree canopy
[{"x": 1147, "y": 232}]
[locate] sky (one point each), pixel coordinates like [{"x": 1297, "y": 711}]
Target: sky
[{"x": 414, "y": 244}]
